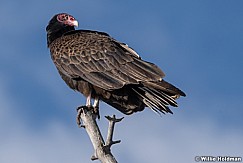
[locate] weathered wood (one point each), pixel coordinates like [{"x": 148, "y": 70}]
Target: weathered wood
[
  {"x": 102, "y": 151},
  {"x": 112, "y": 120}
]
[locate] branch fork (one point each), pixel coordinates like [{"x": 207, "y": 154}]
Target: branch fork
[{"x": 112, "y": 120}]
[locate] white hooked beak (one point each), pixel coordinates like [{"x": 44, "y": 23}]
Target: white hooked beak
[{"x": 75, "y": 23}]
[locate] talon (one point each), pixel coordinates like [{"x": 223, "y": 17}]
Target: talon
[
  {"x": 78, "y": 117},
  {"x": 80, "y": 110},
  {"x": 97, "y": 112}
]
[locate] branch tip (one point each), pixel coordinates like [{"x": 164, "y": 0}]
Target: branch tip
[
  {"x": 113, "y": 118},
  {"x": 94, "y": 158},
  {"x": 116, "y": 142}
]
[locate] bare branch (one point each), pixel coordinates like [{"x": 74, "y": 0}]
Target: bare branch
[
  {"x": 102, "y": 151},
  {"x": 112, "y": 121}
]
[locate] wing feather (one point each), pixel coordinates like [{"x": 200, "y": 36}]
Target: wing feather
[
  {"x": 102, "y": 61},
  {"x": 103, "y": 80}
]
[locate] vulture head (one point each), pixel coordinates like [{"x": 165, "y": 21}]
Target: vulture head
[{"x": 59, "y": 24}]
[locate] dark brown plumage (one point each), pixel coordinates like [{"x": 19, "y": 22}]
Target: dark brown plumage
[{"x": 103, "y": 68}]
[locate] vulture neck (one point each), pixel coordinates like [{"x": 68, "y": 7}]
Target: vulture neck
[{"x": 54, "y": 33}]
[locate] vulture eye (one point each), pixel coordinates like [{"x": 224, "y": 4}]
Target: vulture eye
[
  {"x": 67, "y": 20},
  {"x": 62, "y": 17}
]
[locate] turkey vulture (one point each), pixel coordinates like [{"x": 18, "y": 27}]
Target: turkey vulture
[{"x": 102, "y": 68}]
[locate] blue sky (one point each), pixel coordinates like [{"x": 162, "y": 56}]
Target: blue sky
[{"x": 197, "y": 43}]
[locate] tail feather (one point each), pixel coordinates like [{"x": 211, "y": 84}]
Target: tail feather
[
  {"x": 166, "y": 87},
  {"x": 158, "y": 96},
  {"x": 165, "y": 98},
  {"x": 154, "y": 101},
  {"x": 149, "y": 103},
  {"x": 160, "y": 102}
]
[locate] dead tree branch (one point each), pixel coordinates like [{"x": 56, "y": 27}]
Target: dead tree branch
[
  {"x": 102, "y": 150},
  {"x": 112, "y": 120}
]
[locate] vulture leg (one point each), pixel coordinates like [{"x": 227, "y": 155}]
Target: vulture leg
[
  {"x": 80, "y": 109},
  {"x": 88, "y": 100},
  {"x": 96, "y": 107}
]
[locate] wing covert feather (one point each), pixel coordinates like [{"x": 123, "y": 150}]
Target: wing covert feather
[{"x": 101, "y": 61}]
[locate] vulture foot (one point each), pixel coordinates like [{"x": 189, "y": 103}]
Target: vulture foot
[{"x": 81, "y": 109}]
